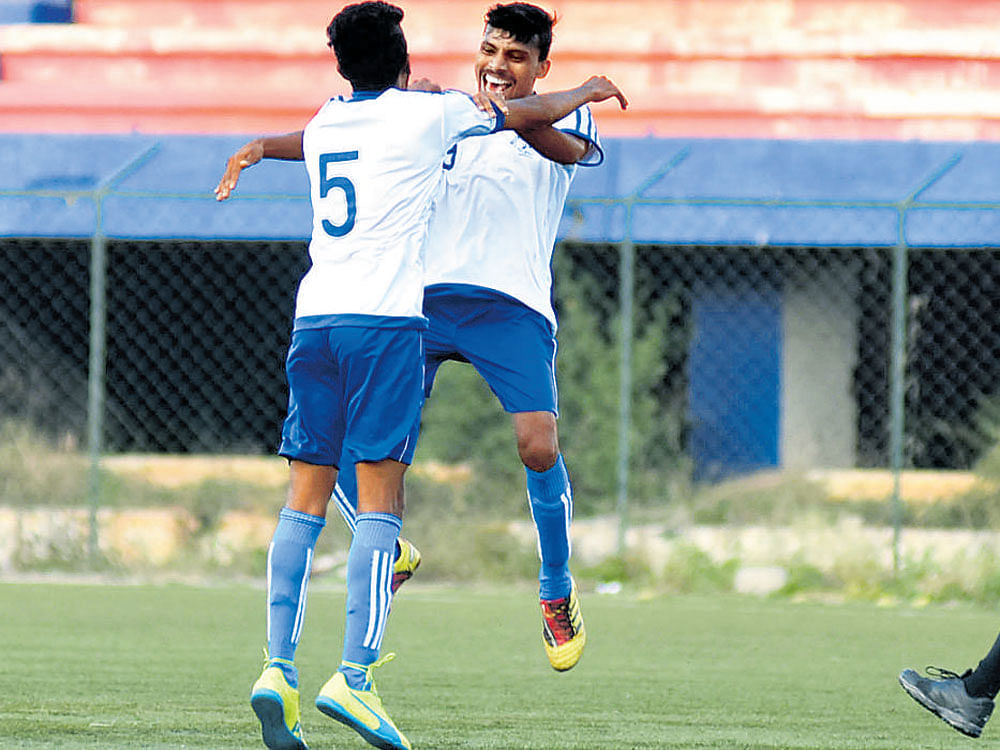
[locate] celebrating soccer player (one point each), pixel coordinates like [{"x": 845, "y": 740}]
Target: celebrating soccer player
[
  {"x": 354, "y": 363},
  {"x": 494, "y": 309}
]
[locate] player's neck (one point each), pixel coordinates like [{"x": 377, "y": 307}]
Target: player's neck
[{"x": 366, "y": 93}]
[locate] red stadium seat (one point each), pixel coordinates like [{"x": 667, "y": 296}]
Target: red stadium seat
[{"x": 740, "y": 68}]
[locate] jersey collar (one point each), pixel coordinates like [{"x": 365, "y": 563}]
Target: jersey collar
[{"x": 360, "y": 96}]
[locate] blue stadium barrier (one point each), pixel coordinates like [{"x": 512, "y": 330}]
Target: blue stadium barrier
[{"x": 682, "y": 191}]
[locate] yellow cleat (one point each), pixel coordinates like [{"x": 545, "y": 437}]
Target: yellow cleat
[
  {"x": 563, "y": 634},
  {"x": 361, "y": 710},
  {"x": 276, "y": 704},
  {"x": 406, "y": 564}
]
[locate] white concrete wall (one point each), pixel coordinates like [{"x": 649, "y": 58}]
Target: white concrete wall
[{"x": 819, "y": 354}]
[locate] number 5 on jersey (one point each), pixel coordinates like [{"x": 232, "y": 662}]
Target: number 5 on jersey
[{"x": 326, "y": 184}]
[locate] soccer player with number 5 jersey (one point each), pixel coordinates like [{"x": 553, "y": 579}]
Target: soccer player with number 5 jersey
[{"x": 355, "y": 363}]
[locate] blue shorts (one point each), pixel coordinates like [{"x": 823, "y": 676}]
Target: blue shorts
[
  {"x": 511, "y": 346},
  {"x": 353, "y": 391}
]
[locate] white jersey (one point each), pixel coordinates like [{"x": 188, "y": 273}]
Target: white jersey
[
  {"x": 374, "y": 164},
  {"x": 495, "y": 224}
]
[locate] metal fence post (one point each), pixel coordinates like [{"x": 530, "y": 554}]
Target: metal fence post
[
  {"x": 95, "y": 374},
  {"x": 96, "y": 386},
  {"x": 626, "y": 292},
  {"x": 897, "y": 376}
]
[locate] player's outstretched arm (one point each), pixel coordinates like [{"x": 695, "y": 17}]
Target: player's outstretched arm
[
  {"x": 553, "y": 144},
  {"x": 288, "y": 147},
  {"x": 540, "y": 110},
  {"x": 560, "y": 147}
]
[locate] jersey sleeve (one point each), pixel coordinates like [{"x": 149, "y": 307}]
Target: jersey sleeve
[
  {"x": 581, "y": 124},
  {"x": 462, "y": 118}
]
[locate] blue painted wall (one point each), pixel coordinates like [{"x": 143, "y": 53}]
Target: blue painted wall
[
  {"x": 734, "y": 392},
  {"x": 816, "y": 179}
]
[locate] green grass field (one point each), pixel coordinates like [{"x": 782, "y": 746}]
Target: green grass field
[{"x": 171, "y": 666}]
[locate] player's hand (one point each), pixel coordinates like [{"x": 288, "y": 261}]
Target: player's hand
[
  {"x": 424, "y": 84},
  {"x": 601, "y": 88},
  {"x": 247, "y": 156},
  {"x": 486, "y": 99}
]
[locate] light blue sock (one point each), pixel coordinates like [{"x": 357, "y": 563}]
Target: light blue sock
[
  {"x": 345, "y": 496},
  {"x": 551, "y": 499},
  {"x": 369, "y": 581},
  {"x": 289, "y": 561}
]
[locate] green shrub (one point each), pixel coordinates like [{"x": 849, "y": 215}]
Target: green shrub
[
  {"x": 36, "y": 472},
  {"x": 689, "y": 569},
  {"x": 628, "y": 569},
  {"x": 802, "y": 578},
  {"x": 775, "y": 499}
]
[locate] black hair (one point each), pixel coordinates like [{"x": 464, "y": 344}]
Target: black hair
[
  {"x": 527, "y": 23},
  {"x": 369, "y": 45}
]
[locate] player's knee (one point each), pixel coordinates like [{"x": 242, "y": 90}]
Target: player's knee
[{"x": 538, "y": 452}]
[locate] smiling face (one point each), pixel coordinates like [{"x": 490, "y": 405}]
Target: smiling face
[{"x": 508, "y": 67}]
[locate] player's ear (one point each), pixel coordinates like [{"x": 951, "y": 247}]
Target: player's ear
[{"x": 543, "y": 68}]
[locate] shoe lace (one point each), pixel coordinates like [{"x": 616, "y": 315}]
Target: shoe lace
[
  {"x": 946, "y": 674},
  {"x": 558, "y": 615},
  {"x": 367, "y": 668}
]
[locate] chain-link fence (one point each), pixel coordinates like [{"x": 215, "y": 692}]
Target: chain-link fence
[{"x": 706, "y": 359}]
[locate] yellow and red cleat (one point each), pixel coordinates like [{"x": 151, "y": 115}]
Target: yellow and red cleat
[
  {"x": 563, "y": 634},
  {"x": 406, "y": 564}
]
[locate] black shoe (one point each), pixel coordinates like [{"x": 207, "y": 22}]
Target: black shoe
[{"x": 948, "y": 699}]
